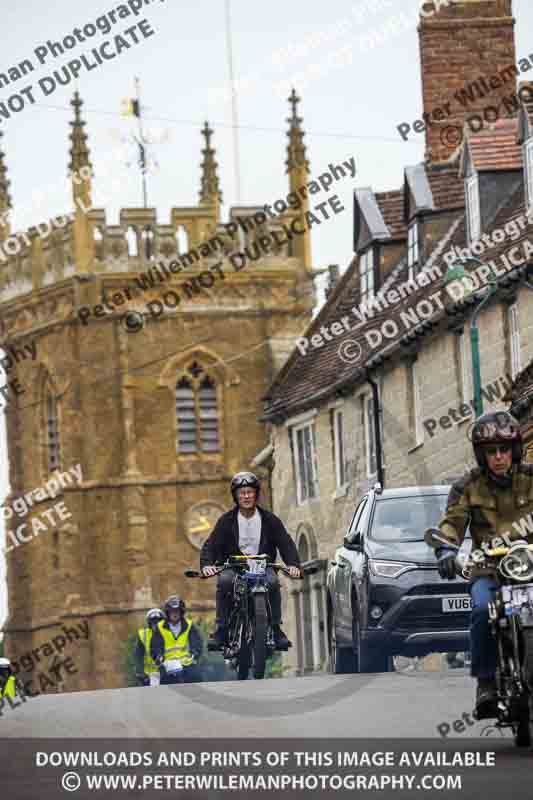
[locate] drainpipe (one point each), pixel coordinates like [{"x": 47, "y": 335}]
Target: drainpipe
[{"x": 377, "y": 428}]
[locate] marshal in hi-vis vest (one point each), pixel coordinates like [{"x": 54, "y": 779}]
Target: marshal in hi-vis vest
[
  {"x": 10, "y": 689},
  {"x": 177, "y": 648},
  {"x": 145, "y": 635}
]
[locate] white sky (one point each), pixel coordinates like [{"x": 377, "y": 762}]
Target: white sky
[{"x": 351, "y": 110}]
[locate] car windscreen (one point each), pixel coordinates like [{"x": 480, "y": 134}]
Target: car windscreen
[{"x": 405, "y": 519}]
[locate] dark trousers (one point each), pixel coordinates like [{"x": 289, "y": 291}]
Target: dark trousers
[
  {"x": 225, "y": 588},
  {"x": 482, "y": 641}
]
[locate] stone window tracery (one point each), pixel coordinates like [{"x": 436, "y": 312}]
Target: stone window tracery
[
  {"x": 52, "y": 432},
  {"x": 197, "y": 412}
]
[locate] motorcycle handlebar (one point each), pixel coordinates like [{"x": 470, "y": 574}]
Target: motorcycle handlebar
[{"x": 193, "y": 573}]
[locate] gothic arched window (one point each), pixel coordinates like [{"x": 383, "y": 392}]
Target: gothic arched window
[
  {"x": 52, "y": 433},
  {"x": 197, "y": 413}
]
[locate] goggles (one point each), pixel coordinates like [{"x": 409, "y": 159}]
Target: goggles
[
  {"x": 245, "y": 479},
  {"x": 495, "y": 449}
]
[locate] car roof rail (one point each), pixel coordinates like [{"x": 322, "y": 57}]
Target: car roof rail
[{"x": 378, "y": 488}]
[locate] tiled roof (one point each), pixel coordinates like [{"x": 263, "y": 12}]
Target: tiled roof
[
  {"x": 313, "y": 377},
  {"x": 496, "y": 147},
  {"x": 447, "y": 186},
  {"x": 391, "y": 206}
]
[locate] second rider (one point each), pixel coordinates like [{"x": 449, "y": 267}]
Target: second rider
[{"x": 248, "y": 529}]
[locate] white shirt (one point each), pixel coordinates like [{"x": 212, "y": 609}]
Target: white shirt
[
  {"x": 175, "y": 629},
  {"x": 249, "y": 533}
]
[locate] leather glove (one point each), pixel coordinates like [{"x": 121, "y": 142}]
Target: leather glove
[{"x": 446, "y": 562}]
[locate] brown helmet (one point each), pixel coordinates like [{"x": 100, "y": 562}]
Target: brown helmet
[{"x": 496, "y": 427}]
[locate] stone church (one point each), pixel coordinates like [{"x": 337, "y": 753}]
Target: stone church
[{"x": 159, "y": 419}]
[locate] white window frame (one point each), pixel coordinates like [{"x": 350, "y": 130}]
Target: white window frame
[
  {"x": 474, "y": 212},
  {"x": 514, "y": 339},
  {"x": 313, "y": 493},
  {"x": 339, "y": 449},
  {"x": 369, "y": 432},
  {"x": 528, "y": 161},
  {"x": 366, "y": 274},
  {"x": 413, "y": 253},
  {"x": 417, "y": 404}
]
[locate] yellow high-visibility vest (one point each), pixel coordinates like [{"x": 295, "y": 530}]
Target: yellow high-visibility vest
[
  {"x": 145, "y": 635},
  {"x": 10, "y": 689},
  {"x": 177, "y": 648}
]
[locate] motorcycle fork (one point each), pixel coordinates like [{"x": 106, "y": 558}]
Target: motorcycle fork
[{"x": 270, "y": 636}]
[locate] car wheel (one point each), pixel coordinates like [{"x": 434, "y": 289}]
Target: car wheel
[
  {"x": 366, "y": 659},
  {"x": 341, "y": 659}
]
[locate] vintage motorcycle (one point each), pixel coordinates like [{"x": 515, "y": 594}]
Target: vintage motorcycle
[
  {"x": 511, "y": 617},
  {"x": 249, "y": 638}
]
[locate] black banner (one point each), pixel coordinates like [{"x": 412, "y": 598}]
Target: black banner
[{"x": 47, "y": 769}]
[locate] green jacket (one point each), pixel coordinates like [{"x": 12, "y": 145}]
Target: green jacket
[{"x": 489, "y": 509}]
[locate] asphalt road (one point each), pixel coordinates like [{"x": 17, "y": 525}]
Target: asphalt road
[{"x": 382, "y": 705}]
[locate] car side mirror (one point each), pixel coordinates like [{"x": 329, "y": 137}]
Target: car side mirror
[
  {"x": 352, "y": 542},
  {"x": 434, "y": 538}
]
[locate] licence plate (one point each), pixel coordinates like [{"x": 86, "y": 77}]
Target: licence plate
[{"x": 460, "y": 602}]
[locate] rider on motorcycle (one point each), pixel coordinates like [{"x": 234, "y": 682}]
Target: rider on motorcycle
[
  {"x": 493, "y": 498},
  {"x": 248, "y": 529}
]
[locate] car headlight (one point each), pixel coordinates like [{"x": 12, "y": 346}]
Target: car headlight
[{"x": 389, "y": 569}]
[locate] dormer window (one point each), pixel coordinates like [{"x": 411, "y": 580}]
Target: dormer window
[
  {"x": 366, "y": 274},
  {"x": 529, "y": 174},
  {"x": 472, "y": 205},
  {"x": 412, "y": 249}
]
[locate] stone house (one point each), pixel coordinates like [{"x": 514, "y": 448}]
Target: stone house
[{"x": 380, "y": 386}]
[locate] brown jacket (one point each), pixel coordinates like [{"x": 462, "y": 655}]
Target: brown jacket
[{"x": 490, "y": 510}]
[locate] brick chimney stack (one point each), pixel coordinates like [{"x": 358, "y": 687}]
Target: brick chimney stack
[{"x": 462, "y": 47}]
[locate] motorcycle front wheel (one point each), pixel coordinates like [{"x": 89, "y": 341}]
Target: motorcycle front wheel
[
  {"x": 260, "y": 637},
  {"x": 527, "y": 637}
]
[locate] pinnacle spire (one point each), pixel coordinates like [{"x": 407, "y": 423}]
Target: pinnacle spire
[
  {"x": 210, "y": 190},
  {"x": 296, "y": 155},
  {"x": 5, "y": 197},
  {"x": 81, "y": 174},
  {"x": 79, "y": 152}
]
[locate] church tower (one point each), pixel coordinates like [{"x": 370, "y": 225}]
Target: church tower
[{"x": 157, "y": 417}]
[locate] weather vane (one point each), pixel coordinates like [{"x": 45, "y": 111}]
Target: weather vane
[{"x": 138, "y": 142}]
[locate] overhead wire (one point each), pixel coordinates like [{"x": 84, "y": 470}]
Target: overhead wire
[{"x": 219, "y": 124}]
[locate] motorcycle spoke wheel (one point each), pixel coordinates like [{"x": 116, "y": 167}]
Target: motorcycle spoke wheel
[
  {"x": 244, "y": 656},
  {"x": 260, "y": 635}
]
